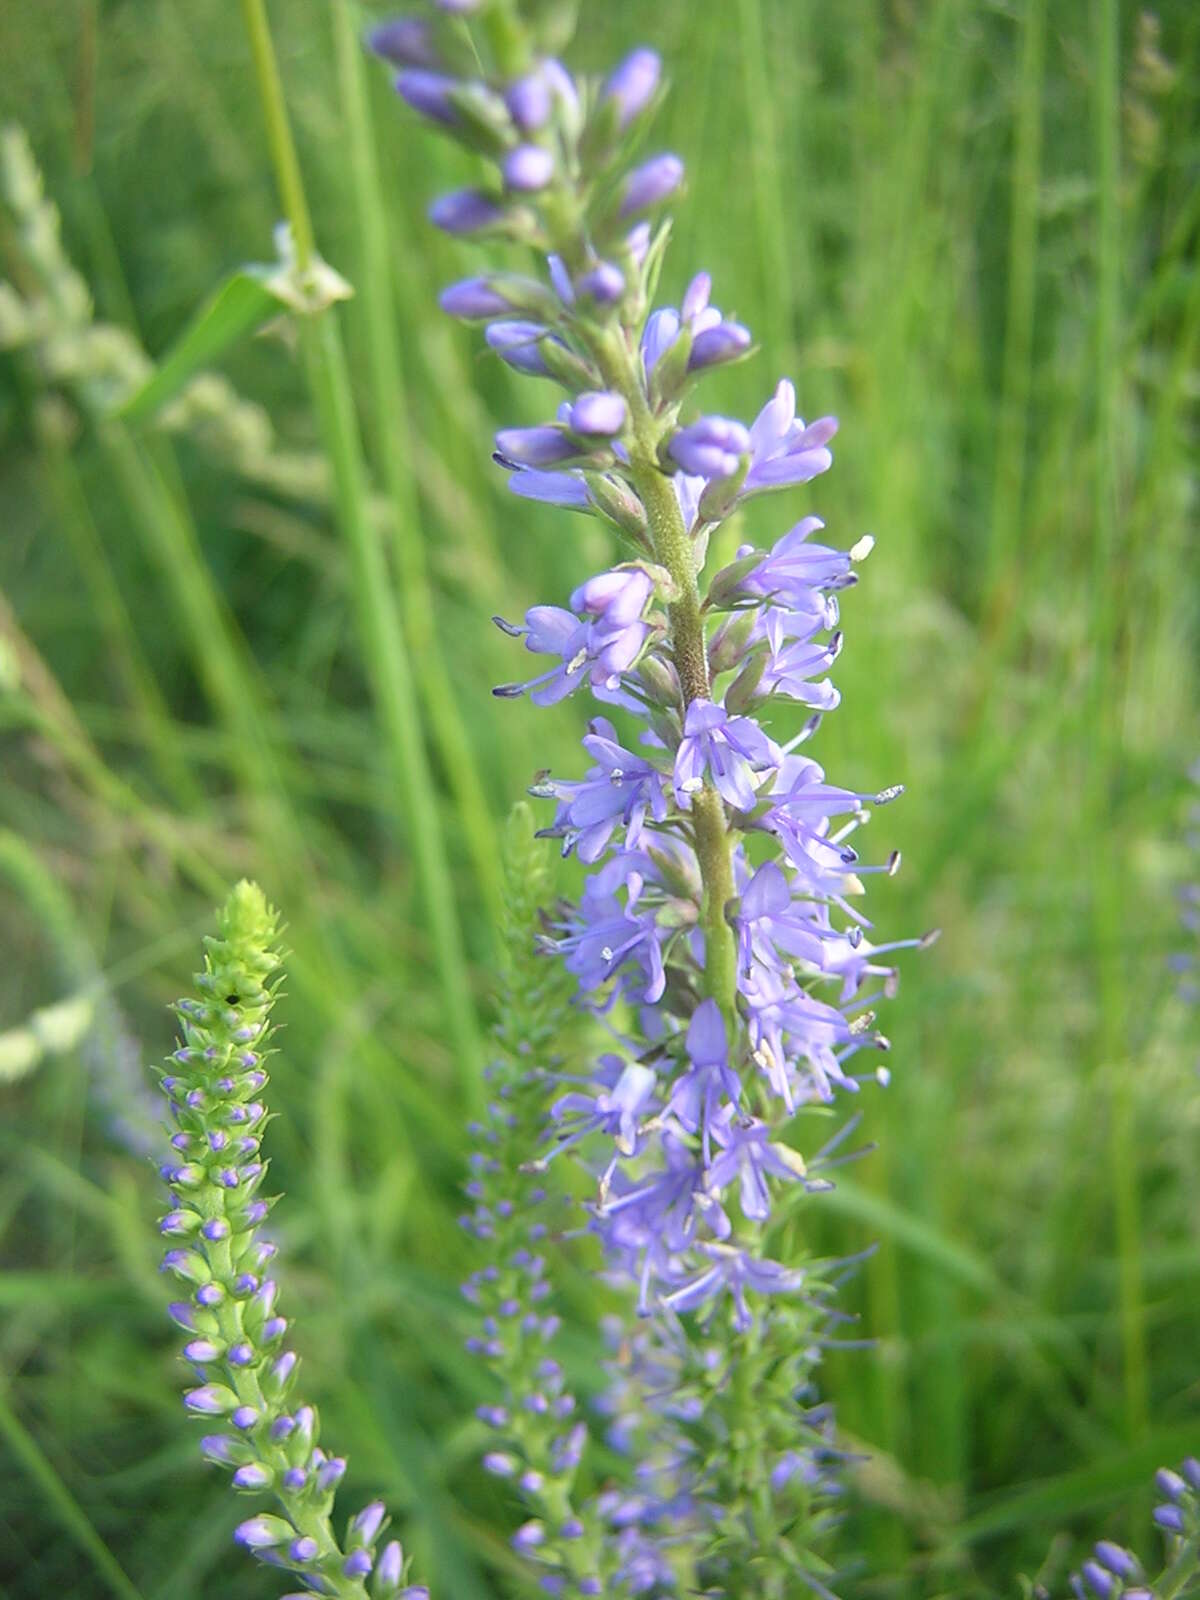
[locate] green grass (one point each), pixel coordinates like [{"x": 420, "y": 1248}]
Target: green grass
[{"x": 970, "y": 230}]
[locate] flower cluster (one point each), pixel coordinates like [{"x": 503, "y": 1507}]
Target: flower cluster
[
  {"x": 720, "y": 935},
  {"x": 1114, "y": 1573},
  {"x": 244, "y": 1376}
]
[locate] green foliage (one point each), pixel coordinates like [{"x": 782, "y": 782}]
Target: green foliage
[{"x": 968, "y": 229}]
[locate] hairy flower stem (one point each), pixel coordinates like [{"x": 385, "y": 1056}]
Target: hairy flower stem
[
  {"x": 673, "y": 549},
  {"x": 1175, "y": 1579}
]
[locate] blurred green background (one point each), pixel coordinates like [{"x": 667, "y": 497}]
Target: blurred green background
[{"x": 969, "y": 229}]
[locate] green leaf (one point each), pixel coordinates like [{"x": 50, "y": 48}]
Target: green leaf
[{"x": 243, "y": 303}]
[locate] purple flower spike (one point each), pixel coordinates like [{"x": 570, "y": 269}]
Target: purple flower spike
[
  {"x": 731, "y": 749},
  {"x": 725, "y": 342},
  {"x": 518, "y": 343},
  {"x": 602, "y": 414},
  {"x": 428, "y": 93},
  {"x": 465, "y": 211},
  {"x": 534, "y": 447},
  {"x": 710, "y": 448},
  {"x": 633, "y": 83},
  {"x": 651, "y": 183},
  {"x": 528, "y": 168}
]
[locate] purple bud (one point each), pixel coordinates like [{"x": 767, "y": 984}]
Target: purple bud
[
  {"x": 605, "y": 284},
  {"x": 202, "y": 1350},
  {"x": 251, "y": 1476},
  {"x": 273, "y": 1328},
  {"x": 1170, "y": 1518},
  {"x": 303, "y": 1550},
  {"x": 217, "y": 1448},
  {"x": 725, "y": 342},
  {"x": 358, "y": 1563},
  {"x": 241, "y": 1354},
  {"x": 1097, "y": 1579},
  {"x": 210, "y": 1400},
  {"x": 590, "y": 1586},
  {"x": 498, "y": 1464},
  {"x": 217, "y": 1140},
  {"x": 711, "y": 447},
  {"x": 245, "y": 1418},
  {"x": 391, "y": 1566},
  {"x": 528, "y": 168},
  {"x": 528, "y": 1536},
  {"x": 215, "y": 1229},
  {"x": 465, "y": 211},
  {"x": 178, "y": 1223},
  {"x": 295, "y": 1479},
  {"x": 429, "y": 94},
  {"x": 1170, "y": 1483},
  {"x": 517, "y": 343},
  {"x": 181, "y": 1313},
  {"x": 330, "y": 1474},
  {"x": 599, "y": 413},
  {"x": 368, "y": 1522},
  {"x": 1116, "y": 1559},
  {"x": 473, "y": 299},
  {"x": 493, "y": 1416},
  {"x": 632, "y": 84},
  {"x": 406, "y": 42},
  {"x": 529, "y": 101},
  {"x": 531, "y": 447},
  {"x": 262, "y": 1533},
  {"x": 1191, "y": 1471},
  {"x": 209, "y": 1295},
  {"x": 651, "y": 183},
  {"x": 281, "y": 1372},
  {"x": 282, "y": 1427}
]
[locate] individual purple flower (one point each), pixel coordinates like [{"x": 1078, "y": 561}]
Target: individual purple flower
[
  {"x": 465, "y": 211},
  {"x": 712, "y": 337},
  {"x": 621, "y": 1102},
  {"x": 518, "y": 343},
  {"x": 606, "y": 934},
  {"x": 794, "y": 567},
  {"x": 430, "y": 93},
  {"x": 730, "y": 750},
  {"x": 776, "y": 927},
  {"x": 790, "y": 669},
  {"x": 712, "y": 1087},
  {"x": 650, "y": 184},
  {"x": 748, "y": 1156},
  {"x": 528, "y": 168},
  {"x": 734, "y": 1272},
  {"x": 621, "y": 789},
  {"x": 785, "y": 450},
  {"x": 601, "y": 413},
  {"x": 598, "y": 645},
  {"x": 632, "y": 85}
]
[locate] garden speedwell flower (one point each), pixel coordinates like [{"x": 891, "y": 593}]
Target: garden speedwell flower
[
  {"x": 244, "y": 1375},
  {"x": 721, "y": 934}
]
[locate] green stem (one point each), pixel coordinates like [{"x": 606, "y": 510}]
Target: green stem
[
  {"x": 1177, "y": 1575},
  {"x": 279, "y": 131},
  {"x": 387, "y": 660},
  {"x": 393, "y": 448},
  {"x": 673, "y": 549}
]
